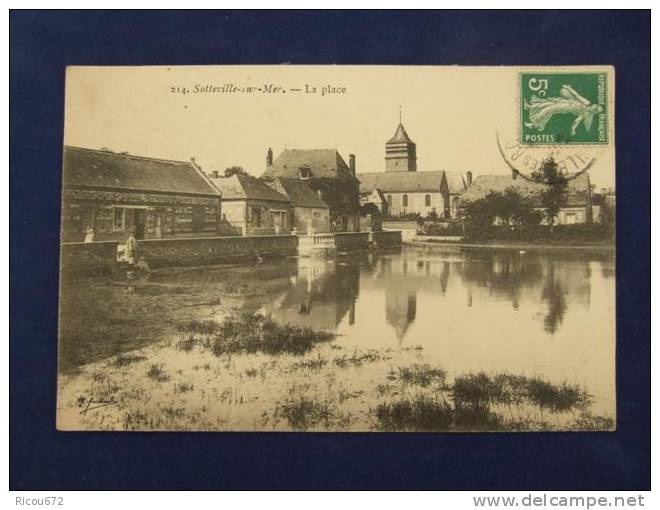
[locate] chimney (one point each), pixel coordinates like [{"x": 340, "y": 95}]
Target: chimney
[
  {"x": 216, "y": 174},
  {"x": 468, "y": 176},
  {"x": 269, "y": 158},
  {"x": 351, "y": 164}
]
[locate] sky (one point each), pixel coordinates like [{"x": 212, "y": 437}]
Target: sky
[{"x": 452, "y": 113}]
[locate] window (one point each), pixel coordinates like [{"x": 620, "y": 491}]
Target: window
[
  {"x": 119, "y": 218},
  {"x": 305, "y": 173},
  {"x": 256, "y": 216},
  {"x": 427, "y": 200},
  {"x": 389, "y": 200},
  {"x": 571, "y": 218},
  {"x": 405, "y": 200}
]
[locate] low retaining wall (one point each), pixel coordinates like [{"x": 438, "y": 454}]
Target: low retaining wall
[
  {"x": 101, "y": 257},
  {"x": 351, "y": 241},
  {"x": 90, "y": 258},
  {"x": 387, "y": 238},
  {"x": 408, "y": 229},
  {"x": 215, "y": 250}
]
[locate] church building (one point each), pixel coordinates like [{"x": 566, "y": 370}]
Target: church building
[{"x": 401, "y": 189}]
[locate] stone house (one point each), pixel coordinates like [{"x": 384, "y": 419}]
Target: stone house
[
  {"x": 577, "y": 207},
  {"x": 251, "y": 207},
  {"x": 309, "y": 214},
  {"x": 106, "y": 194},
  {"x": 328, "y": 175}
]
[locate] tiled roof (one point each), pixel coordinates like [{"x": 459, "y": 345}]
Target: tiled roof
[
  {"x": 243, "y": 186},
  {"x": 400, "y": 136},
  {"x": 577, "y": 188},
  {"x": 400, "y": 182},
  {"x": 300, "y": 194},
  {"x": 90, "y": 168},
  {"x": 323, "y": 163}
]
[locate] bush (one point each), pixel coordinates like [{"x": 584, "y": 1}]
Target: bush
[{"x": 448, "y": 228}]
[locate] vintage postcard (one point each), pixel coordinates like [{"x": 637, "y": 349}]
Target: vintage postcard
[{"x": 338, "y": 248}]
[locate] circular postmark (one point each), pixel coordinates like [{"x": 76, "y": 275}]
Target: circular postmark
[{"x": 527, "y": 161}]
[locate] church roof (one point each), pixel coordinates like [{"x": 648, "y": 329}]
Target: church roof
[
  {"x": 578, "y": 188},
  {"x": 90, "y": 168},
  {"x": 242, "y": 186},
  {"x": 323, "y": 163},
  {"x": 409, "y": 182},
  {"x": 400, "y": 136}
]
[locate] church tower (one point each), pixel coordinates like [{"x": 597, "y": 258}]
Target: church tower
[{"x": 400, "y": 152}]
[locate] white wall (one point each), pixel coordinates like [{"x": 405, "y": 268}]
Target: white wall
[{"x": 416, "y": 203}]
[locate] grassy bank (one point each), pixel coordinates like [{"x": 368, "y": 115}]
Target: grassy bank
[{"x": 250, "y": 373}]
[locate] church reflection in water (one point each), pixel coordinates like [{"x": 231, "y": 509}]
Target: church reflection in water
[{"x": 322, "y": 294}]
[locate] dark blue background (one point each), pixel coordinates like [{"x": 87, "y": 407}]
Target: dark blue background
[{"x": 43, "y": 43}]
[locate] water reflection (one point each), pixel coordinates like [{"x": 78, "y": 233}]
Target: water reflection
[
  {"x": 321, "y": 293},
  {"x": 324, "y": 294},
  {"x": 544, "y": 312}
]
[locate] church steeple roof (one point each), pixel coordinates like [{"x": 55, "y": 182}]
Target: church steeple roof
[{"x": 400, "y": 136}]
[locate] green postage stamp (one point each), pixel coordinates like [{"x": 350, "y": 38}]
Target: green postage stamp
[{"x": 563, "y": 108}]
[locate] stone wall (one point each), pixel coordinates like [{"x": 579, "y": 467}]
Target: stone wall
[
  {"x": 408, "y": 229},
  {"x": 89, "y": 258},
  {"x": 387, "y": 239},
  {"x": 350, "y": 241},
  {"x": 216, "y": 250},
  {"x": 100, "y": 257}
]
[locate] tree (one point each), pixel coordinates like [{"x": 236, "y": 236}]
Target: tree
[
  {"x": 553, "y": 196},
  {"x": 233, "y": 170},
  {"x": 508, "y": 207}
]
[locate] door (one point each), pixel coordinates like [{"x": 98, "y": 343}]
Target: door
[
  {"x": 279, "y": 221},
  {"x": 139, "y": 219}
]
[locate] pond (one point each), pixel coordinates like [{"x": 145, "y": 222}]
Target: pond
[{"x": 538, "y": 312}]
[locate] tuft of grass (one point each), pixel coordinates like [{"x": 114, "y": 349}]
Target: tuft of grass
[
  {"x": 476, "y": 401},
  {"x": 313, "y": 364},
  {"x": 157, "y": 373},
  {"x": 198, "y": 327},
  {"x": 418, "y": 413},
  {"x": 304, "y": 413},
  {"x": 173, "y": 413},
  {"x": 187, "y": 345},
  {"x": 558, "y": 398},
  {"x": 479, "y": 390},
  {"x": 183, "y": 388},
  {"x": 251, "y": 333},
  {"x": 422, "y": 375},
  {"x": 125, "y": 360},
  {"x": 358, "y": 358},
  {"x": 587, "y": 422}
]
